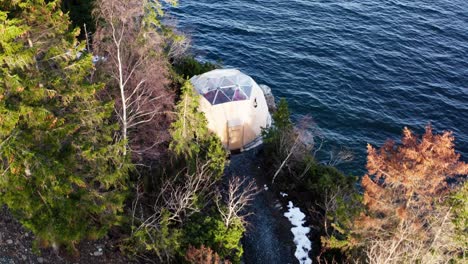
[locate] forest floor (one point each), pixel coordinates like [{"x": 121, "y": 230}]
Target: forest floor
[
  {"x": 268, "y": 238},
  {"x": 16, "y": 245}
]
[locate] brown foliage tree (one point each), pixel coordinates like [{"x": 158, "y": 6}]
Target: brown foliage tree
[
  {"x": 203, "y": 255},
  {"x": 403, "y": 192}
]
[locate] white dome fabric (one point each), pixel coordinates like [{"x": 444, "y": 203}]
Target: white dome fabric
[
  {"x": 223, "y": 85},
  {"x": 234, "y": 106}
]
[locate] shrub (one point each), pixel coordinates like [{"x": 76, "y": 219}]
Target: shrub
[
  {"x": 209, "y": 230},
  {"x": 188, "y": 66}
]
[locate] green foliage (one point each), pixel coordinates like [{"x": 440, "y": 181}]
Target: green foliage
[
  {"x": 191, "y": 139},
  {"x": 190, "y": 126},
  {"x": 162, "y": 241},
  {"x": 320, "y": 178},
  {"x": 282, "y": 125},
  {"x": 215, "y": 152},
  {"x": 62, "y": 175},
  {"x": 192, "y": 145},
  {"x": 279, "y": 139},
  {"x": 188, "y": 66},
  {"x": 211, "y": 232},
  {"x": 282, "y": 116},
  {"x": 336, "y": 234}
]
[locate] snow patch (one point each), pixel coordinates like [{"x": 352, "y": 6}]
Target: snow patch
[
  {"x": 265, "y": 187},
  {"x": 303, "y": 244},
  {"x": 283, "y": 194}
]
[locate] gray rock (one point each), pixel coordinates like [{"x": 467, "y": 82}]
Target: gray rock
[
  {"x": 270, "y": 99},
  {"x": 40, "y": 260},
  {"x": 98, "y": 253},
  {"x": 9, "y": 241}
]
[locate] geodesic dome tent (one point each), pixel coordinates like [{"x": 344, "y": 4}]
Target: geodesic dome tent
[{"x": 234, "y": 106}]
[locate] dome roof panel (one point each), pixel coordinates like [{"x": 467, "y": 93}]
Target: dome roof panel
[{"x": 223, "y": 79}]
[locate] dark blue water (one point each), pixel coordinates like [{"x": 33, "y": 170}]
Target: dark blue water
[{"x": 363, "y": 69}]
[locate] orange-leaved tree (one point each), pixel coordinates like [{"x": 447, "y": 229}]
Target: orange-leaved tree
[{"x": 404, "y": 192}]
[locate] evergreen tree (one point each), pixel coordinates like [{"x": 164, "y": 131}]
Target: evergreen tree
[
  {"x": 80, "y": 14},
  {"x": 191, "y": 139},
  {"x": 282, "y": 129},
  {"x": 62, "y": 175},
  {"x": 191, "y": 125}
]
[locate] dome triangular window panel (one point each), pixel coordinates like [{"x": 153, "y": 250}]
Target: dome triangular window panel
[
  {"x": 202, "y": 82},
  {"x": 229, "y": 92},
  {"x": 210, "y": 96},
  {"x": 239, "y": 96},
  {"x": 212, "y": 84},
  {"x": 247, "y": 89},
  {"x": 227, "y": 82},
  {"x": 244, "y": 80},
  {"x": 221, "y": 98}
]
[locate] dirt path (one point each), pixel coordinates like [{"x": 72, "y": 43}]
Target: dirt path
[{"x": 268, "y": 238}]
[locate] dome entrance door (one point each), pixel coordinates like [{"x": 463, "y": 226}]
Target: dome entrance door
[{"x": 235, "y": 134}]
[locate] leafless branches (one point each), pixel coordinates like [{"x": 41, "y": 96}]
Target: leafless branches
[
  {"x": 240, "y": 194},
  {"x": 177, "y": 43},
  {"x": 138, "y": 72},
  {"x": 339, "y": 156},
  {"x": 176, "y": 202},
  {"x": 180, "y": 199},
  {"x": 409, "y": 245},
  {"x": 295, "y": 144}
]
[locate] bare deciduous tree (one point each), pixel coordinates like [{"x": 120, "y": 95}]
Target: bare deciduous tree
[
  {"x": 177, "y": 43},
  {"x": 178, "y": 196},
  {"x": 180, "y": 199},
  {"x": 131, "y": 52},
  {"x": 295, "y": 144},
  {"x": 407, "y": 244},
  {"x": 339, "y": 156},
  {"x": 240, "y": 194},
  {"x": 176, "y": 201}
]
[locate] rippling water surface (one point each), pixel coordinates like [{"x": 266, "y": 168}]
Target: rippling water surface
[{"x": 363, "y": 69}]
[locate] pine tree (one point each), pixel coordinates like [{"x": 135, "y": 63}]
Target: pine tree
[
  {"x": 282, "y": 128},
  {"x": 63, "y": 176},
  {"x": 190, "y": 127},
  {"x": 191, "y": 139}
]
